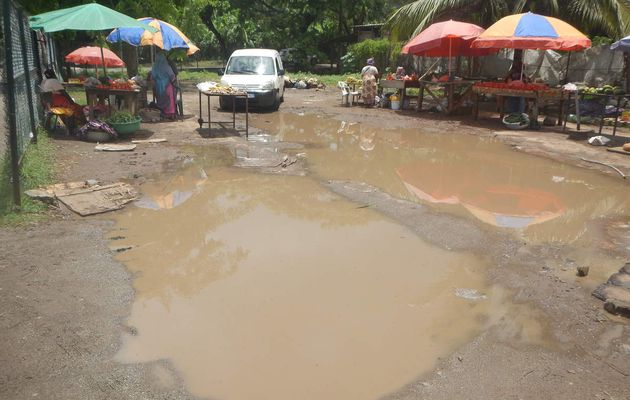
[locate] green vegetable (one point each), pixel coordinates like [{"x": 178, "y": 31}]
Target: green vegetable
[
  {"x": 122, "y": 117},
  {"x": 515, "y": 119}
]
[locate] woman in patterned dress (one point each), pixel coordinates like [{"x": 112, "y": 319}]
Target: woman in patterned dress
[{"x": 369, "y": 73}]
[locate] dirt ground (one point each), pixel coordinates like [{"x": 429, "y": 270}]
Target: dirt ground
[{"x": 64, "y": 299}]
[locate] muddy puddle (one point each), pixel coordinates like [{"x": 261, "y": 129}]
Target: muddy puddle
[
  {"x": 539, "y": 200},
  {"x": 270, "y": 287}
]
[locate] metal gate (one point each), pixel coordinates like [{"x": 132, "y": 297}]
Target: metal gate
[{"x": 19, "y": 76}]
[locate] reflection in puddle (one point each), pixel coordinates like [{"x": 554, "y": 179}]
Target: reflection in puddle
[
  {"x": 466, "y": 175},
  {"x": 270, "y": 287},
  {"x": 509, "y": 205}
]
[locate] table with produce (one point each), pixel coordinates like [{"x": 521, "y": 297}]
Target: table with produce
[
  {"x": 538, "y": 93},
  {"x": 600, "y": 106},
  {"x": 127, "y": 90},
  {"x": 399, "y": 85},
  {"x": 213, "y": 89}
]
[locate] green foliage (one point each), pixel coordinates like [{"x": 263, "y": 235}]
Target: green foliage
[
  {"x": 609, "y": 17},
  {"x": 37, "y": 170},
  {"x": 384, "y": 52},
  {"x": 601, "y": 40}
]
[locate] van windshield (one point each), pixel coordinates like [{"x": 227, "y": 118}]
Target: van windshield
[{"x": 250, "y": 65}]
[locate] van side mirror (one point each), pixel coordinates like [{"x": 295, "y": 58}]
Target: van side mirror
[
  {"x": 280, "y": 72},
  {"x": 221, "y": 72}
]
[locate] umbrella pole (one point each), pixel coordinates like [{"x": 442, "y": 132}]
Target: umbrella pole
[
  {"x": 450, "y": 44},
  {"x": 566, "y": 73},
  {"x": 523, "y": 64},
  {"x": 103, "y": 61}
]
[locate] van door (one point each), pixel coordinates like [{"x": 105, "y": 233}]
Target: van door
[{"x": 279, "y": 78}]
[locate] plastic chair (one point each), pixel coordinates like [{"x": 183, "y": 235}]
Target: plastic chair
[{"x": 346, "y": 93}]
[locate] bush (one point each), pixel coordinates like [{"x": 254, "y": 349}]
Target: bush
[{"x": 385, "y": 54}]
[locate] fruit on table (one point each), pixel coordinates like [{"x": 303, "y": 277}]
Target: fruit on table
[{"x": 224, "y": 90}]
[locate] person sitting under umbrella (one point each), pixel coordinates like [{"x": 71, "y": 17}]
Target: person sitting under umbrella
[
  {"x": 164, "y": 79},
  {"x": 515, "y": 76},
  {"x": 60, "y": 103}
]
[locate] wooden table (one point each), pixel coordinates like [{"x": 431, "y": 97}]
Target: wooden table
[
  {"x": 537, "y": 96},
  {"x": 240, "y": 95},
  {"x": 99, "y": 95},
  {"x": 449, "y": 89},
  {"x": 398, "y": 84}
]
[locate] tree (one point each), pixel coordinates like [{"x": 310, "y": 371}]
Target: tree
[{"x": 607, "y": 17}]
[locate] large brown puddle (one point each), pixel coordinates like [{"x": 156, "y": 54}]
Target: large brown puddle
[
  {"x": 541, "y": 200},
  {"x": 271, "y": 287}
]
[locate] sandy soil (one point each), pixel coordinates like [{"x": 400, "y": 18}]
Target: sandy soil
[{"x": 64, "y": 298}]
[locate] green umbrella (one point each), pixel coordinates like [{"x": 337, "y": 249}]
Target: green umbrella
[{"x": 88, "y": 17}]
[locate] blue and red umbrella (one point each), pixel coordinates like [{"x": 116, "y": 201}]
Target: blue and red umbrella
[
  {"x": 532, "y": 31},
  {"x": 167, "y": 37}
]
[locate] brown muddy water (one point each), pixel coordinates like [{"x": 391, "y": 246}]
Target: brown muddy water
[
  {"x": 271, "y": 287},
  {"x": 537, "y": 199}
]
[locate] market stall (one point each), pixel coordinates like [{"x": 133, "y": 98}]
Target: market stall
[
  {"x": 449, "y": 93},
  {"x": 227, "y": 93},
  {"x": 399, "y": 86},
  {"x": 127, "y": 96},
  {"x": 522, "y": 32},
  {"x": 538, "y": 94},
  {"x": 445, "y": 39}
]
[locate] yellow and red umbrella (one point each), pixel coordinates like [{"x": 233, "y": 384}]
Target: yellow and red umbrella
[
  {"x": 167, "y": 37},
  {"x": 532, "y": 31}
]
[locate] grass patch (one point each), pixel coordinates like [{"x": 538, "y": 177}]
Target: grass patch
[
  {"x": 198, "y": 76},
  {"x": 37, "y": 170},
  {"x": 78, "y": 94}
]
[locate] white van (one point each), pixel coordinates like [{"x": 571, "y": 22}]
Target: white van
[{"x": 259, "y": 72}]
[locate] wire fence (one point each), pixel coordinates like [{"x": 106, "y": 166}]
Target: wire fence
[{"x": 19, "y": 76}]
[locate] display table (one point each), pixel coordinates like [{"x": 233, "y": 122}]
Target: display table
[
  {"x": 538, "y": 96},
  {"x": 96, "y": 96},
  {"x": 461, "y": 88},
  {"x": 398, "y": 84},
  {"x": 604, "y": 99},
  {"x": 233, "y": 96}
]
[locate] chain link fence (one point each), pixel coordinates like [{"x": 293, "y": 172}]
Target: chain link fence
[{"x": 19, "y": 77}]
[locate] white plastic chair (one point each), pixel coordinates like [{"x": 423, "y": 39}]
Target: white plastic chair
[{"x": 346, "y": 93}]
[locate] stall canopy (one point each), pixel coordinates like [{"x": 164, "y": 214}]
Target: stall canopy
[
  {"x": 167, "y": 37},
  {"x": 88, "y": 17},
  {"x": 91, "y": 55},
  {"x": 446, "y": 39},
  {"x": 531, "y": 31}
]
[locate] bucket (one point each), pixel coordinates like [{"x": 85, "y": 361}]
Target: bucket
[
  {"x": 395, "y": 104},
  {"x": 625, "y": 116}
]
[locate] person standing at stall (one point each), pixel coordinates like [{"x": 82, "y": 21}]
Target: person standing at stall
[
  {"x": 369, "y": 74},
  {"x": 164, "y": 80}
]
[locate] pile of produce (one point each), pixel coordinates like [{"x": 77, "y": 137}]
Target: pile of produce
[
  {"x": 303, "y": 83},
  {"x": 224, "y": 90},
  {"x": 119, "y": 84},
  {"x": 351, "y": 80},
  {"x": 516, "y": 120},
  {"x": 606, "y": 89},
  {"x": 122, "y": 117},
  {"x": 412, "y": 77}
]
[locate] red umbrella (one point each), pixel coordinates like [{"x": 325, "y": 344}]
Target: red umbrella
[
  {"x": 446, "y": 39},
  {"x": 92, "y": 56}
]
